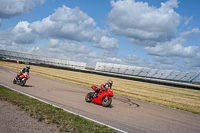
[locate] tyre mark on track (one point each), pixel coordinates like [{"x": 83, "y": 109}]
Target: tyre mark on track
[{"x": 126, "y": 101}]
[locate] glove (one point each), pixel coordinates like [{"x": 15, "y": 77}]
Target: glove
[{"x": 103, "y": 88}]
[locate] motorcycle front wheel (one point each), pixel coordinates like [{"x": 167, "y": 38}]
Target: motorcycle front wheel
[
  {"x": 107, "y": 102},
  {"x": 88, "y": 97},
  {"x": 23, "y": 81}
]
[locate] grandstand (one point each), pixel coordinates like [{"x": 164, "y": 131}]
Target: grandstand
[
  {"x": 167, "y": 77},
  {"x": 146, "y": 72},
  {"x": 40, "y": 60}
]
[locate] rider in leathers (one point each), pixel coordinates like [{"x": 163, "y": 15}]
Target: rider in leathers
[
  {"x": 26, "y": 69},
  {"x": 103, "y": 87}
]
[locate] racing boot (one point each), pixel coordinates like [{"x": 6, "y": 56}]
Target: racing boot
[
  {"x": 18, "y": 77},
  {"x": 95, "y": 95}
]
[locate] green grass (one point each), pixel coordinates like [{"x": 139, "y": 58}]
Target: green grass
[
  {"x": 176, "y": 97},
  {"x": 44, "y": 112}
]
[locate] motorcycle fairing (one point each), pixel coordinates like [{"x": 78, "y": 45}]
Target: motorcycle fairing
[{"x": 101, "y": 95}]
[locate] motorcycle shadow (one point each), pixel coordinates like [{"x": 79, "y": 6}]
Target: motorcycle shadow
[{"x": 28, "y": 86}]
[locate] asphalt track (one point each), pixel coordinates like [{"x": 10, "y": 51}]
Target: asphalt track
[{"x": 127, "y": 114}]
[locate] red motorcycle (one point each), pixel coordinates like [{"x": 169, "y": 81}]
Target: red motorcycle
[
  {"x": 21, "y": 80},
  {"x": 104, "y": 97}
]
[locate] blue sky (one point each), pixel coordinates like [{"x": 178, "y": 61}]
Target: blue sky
[{"x": 161, "y": 34}]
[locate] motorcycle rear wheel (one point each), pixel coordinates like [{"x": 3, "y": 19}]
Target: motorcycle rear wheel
[
  {"x": 88, "y": 97},
  {"x": 107, "y": 102},
  {"x": 14, "y": 81}
]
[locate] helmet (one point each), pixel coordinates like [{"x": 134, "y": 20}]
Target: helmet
[
  {"x": 28, "y": 67},
  {"x": 110, "y": 82}
]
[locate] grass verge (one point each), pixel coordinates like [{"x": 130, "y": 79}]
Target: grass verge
[
  {"x": 49, "y": 114},
  {"x": 176, "y": 97}
]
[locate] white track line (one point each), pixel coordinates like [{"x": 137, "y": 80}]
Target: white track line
[{"x": 119, "y": 130}]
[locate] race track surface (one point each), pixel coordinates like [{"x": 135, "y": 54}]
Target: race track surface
[{"x": 127, "y": 114}]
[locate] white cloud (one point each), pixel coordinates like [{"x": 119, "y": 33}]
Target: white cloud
[
  {"x": 172, "y": 48},
  {"x": 175, "y": 48},
  {"x": 12, "y": 8},
  {"x": 113, "y": 59},
  {"x": 188, "y": 34},
  {"x": 142, "y": 23},
  {"x": 134, "y": 60},
  {"x": 19, "y": 48},
  {"x": 22, "y": 27},
  {"x": 75, "y": 51},
  {"x": 193, "y": 62},
  {"x": 188, "y": 20},
  {"x": 66, "y": 46},
  {"x": 53, "y": 43},
  {"x": 6, "y": 37},
  {"x": 66, "y": 23},
  {"x": 22, "y": 33},
  {"x": 165, "y": 60},
  {"x": 106, "y": 43},
  {"x": 73, "y": 24}
]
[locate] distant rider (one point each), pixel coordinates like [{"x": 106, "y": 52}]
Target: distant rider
[
  {"x": 103, "y": 87},
  {"x": 26, "y": 69}
]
